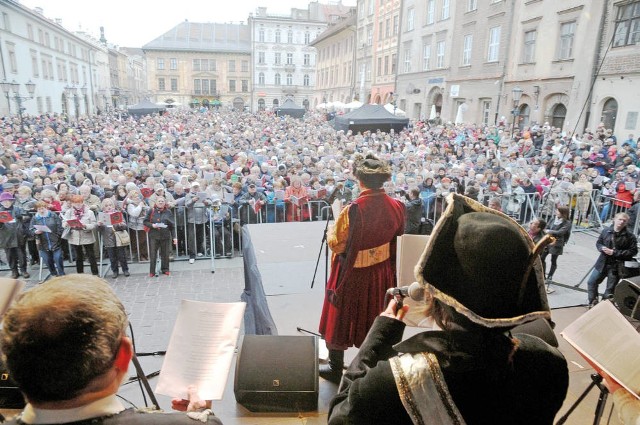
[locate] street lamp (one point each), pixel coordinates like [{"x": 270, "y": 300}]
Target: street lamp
[
  {"x": 8, "y": 87},
  {"x": 516, "y": 94},
  {"x": 394, "y": 98}
]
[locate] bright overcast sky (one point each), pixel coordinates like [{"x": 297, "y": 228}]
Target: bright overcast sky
[{"x": 133, "y": 23}]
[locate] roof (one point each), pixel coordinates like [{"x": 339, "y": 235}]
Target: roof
[{"x": 209, "y": 36}]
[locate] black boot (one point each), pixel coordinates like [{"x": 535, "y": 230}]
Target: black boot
[{"x": 332, "y": 372}]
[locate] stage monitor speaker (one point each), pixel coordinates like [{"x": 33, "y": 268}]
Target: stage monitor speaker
[
  {"x": 10, "y": 395},
  {"x": 626, "y": 296},
  {"x": 277, "y": 373}
]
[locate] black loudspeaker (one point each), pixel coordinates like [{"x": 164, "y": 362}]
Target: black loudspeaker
[
  {"x": 10, "y": 395},
  {"x": 626, "y": 296},
  {"x": 277, "y": 373}
]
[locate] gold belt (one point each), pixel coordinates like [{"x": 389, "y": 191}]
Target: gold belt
[{"x": 371, "y": 256}]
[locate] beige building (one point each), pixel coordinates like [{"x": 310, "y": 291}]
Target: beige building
[
  {"x": 335, "y": 65},
  {"x": 385, "y": 49},
  {"x": 200, "y": 64}
]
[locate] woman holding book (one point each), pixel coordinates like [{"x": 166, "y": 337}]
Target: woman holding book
[
  {"x": 107, "y": 228},
  {"x": 161, "y": 226},
  {"x": 46, "y": 226},
  {"x": 79, "y": 222},
  {"x": 296, "y": 198}
]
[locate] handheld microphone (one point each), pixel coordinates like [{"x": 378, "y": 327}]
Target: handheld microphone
[{"x": 415, "y": 291}]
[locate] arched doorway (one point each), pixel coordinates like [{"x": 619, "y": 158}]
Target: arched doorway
[
  {"x": 238, "y": 104},
  {"x": 305, "y": 104},
  {"x": 558, "y": 114},
  {"x": 609, "y": 114},
  {"x": 276, "y": 103},
  {"x": 261, "y": 105},
  {"x": 65, "y": 106},
  {"x": 525, "y": 112}
]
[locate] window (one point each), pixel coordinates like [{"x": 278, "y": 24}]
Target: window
[
  {"x": 34, "y": 64},
  {"x": 387, "y": 28},
  {"x": 289, "y": 79},
  {"x": 160, "y": 64},
  {"x": 173, "y": 63},
  {"x": 261, "y": 58},
  {"x": 261, "y": 35},
  {"x": 197, "y": 86},
  {"x": 410, "y": 18},
  {"x": 174, "y": 84},
  {"x": 232, "y": 86},
  {"x": 161, "y": 85},
  {"x": 627, "y": 25},
  {"x": 386, "y": 65},
  {"x": 278, "y": 36},
  {"x": 290, "y": 37},
  {"x": 446, "y": 9},
  {"x": 306, "y": 80},
  {"x": 13, "y": 62},
  {"x": 567, "y": 31},
  {"x": 379, "y": 66},
  {"x": 212, "y": 65},
  {"x": 261, "y": 78},
  {"x": 371, "y": 6},
  {"x": 278, "y": 58},
  {"x": 426, "y": 56},
  {"x": 494, "y": 44},
  {"x": 472, "y": 5},
  {"x": 245, "y": 86},
  {"x": 214, "y": 86},
  {"x": 307, "y": 37},
  {"x": 407, "y": 59},
  {"x": 529, "y": 50},
  {"x": 306, "y": 59},
  {"x": 30, "y": 31},
  {"x": 396, "y": 24},
  {"x": 195, "y": 64},
  {"x": 394, "y": 59},
  {"x": 245, "y": 66},
  {"x": 466, "y": 49},
  {"x": 369, "y": 35},
  {"x": 431, "y": 11},
  {"x": 440, "y": 54},
  {"x": 289, "y": 58},
  {"x": 232, "y": 65},
  {"x": 277, "y": 80}
]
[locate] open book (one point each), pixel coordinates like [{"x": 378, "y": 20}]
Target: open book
[{"x": 606, "y": 338}]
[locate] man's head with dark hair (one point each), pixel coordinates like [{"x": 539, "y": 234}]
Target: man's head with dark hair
[{"x": 61, "y": 339}]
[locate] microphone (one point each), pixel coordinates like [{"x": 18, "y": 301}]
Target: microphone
[{"x": 415, "y": 291}]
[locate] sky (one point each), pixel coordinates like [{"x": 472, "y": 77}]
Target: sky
[{"x": 133, "y": 23}]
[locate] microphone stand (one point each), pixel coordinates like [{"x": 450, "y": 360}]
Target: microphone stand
[
  {"x": 143, "y": 378},
  {"x": 332, "y": 197},
  {"x": 596, "y": 380}
]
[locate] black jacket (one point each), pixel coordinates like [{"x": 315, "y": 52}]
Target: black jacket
[
  {"x": 624, "y": 244},
  {"x": 164, "y": 216},
  {"x": 529, "y": 390}
]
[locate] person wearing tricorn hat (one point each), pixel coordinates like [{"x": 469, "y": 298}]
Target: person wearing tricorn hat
[
  {"x": 481, "y": 277},
  {"x": 363, "y": 241}
]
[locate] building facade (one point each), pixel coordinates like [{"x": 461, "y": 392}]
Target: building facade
[
  {"x": 197, "y": 64},
  {"x": 336, "y": 59},
  {"x": 284, "y": 61},
  {"x": 37, "y": 50}
]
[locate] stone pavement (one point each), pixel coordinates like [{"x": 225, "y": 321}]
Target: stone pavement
[{"x": 153, "y": 305}]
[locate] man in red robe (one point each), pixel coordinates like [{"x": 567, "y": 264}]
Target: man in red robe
[{"x": 363, "y": 267}]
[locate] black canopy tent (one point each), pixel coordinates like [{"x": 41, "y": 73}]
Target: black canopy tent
[
  {"x": 145, "y": 107},
  {"x": 369, "y": 118},
  {"x": 290, "y": 108}
]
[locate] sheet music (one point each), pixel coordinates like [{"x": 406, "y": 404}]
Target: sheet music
[
  {"x": 201, "y": 349},
  {"x": 604, "y": 336}
]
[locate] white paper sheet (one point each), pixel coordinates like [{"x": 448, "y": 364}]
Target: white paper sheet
[
  {"x": 201, "y": 349},
  {"x": 604, "y": 336}
]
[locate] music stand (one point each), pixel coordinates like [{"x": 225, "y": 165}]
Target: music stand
[{"x": 596, "y": 380}]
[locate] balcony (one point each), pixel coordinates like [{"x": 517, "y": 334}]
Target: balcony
[{"x": 290, "y": 67}]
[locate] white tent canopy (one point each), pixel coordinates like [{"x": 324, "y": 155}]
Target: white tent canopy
[
  {"x": 354, "y": 104},
  {"x": 394, "y": 110}
]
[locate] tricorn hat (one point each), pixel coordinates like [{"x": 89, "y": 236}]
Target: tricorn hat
[{"x": 484, "y": 265}]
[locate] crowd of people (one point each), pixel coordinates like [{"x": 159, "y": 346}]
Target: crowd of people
[
  {"x": 159, "y": 184},
  {"x": 230, "y": 168}
]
